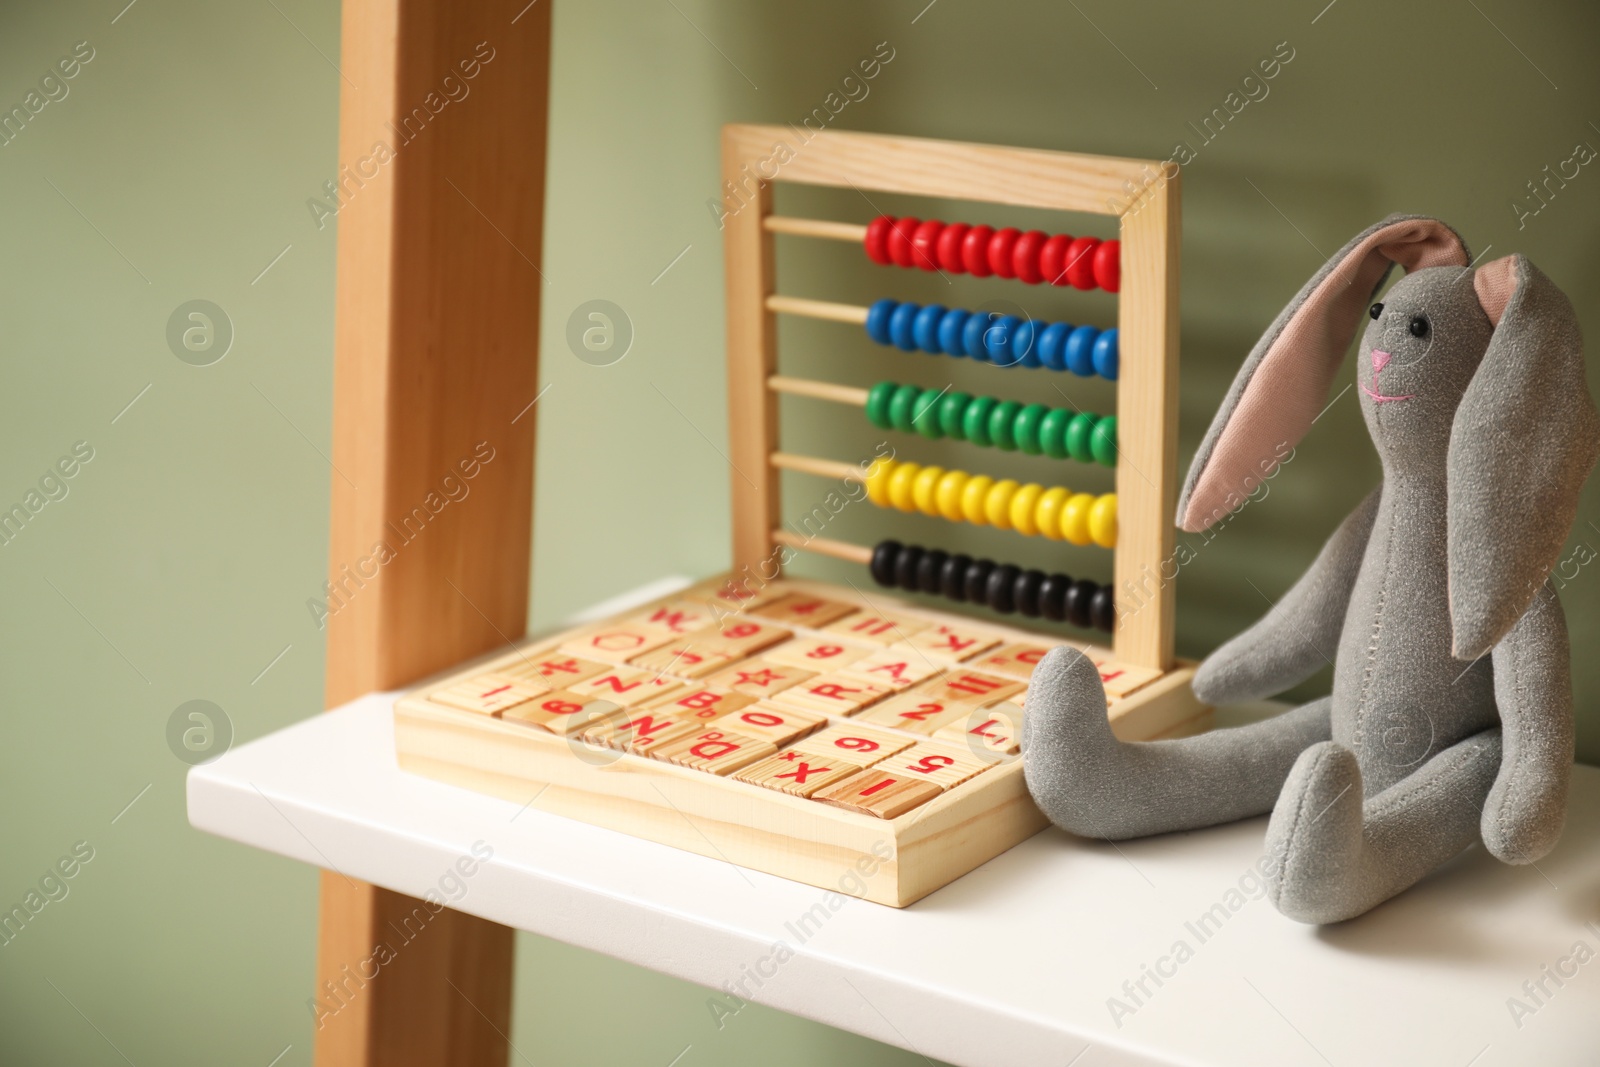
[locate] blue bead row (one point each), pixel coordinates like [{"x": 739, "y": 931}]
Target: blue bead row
[{"x": 989, "y": 337}]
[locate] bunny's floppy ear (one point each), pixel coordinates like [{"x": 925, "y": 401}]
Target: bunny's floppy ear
[
  {"x": 1283, "y": 384},
  {"x": 1524, "y": 439}
]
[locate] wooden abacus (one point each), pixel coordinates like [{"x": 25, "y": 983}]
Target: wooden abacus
[
  {"x": 1147, "y": 324},
  {"x": 810, "y": 730}
]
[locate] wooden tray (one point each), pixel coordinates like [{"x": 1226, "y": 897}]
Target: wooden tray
[{"x": 892, "y": 861}]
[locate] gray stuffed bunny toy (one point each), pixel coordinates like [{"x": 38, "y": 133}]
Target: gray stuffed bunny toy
[{"x": 1450, "y": 719}]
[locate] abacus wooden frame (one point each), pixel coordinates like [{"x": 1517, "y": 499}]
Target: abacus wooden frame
[{"x": 1147, "y": 321}]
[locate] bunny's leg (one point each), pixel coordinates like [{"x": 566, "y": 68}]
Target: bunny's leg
[
  {"x": 1332, "y": 855},
  {"x": 1089, "y": 782}
]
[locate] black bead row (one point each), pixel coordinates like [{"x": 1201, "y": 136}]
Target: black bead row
[{"x": 1004, "y": 587}]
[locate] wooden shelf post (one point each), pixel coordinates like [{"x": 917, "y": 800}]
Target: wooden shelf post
[{"x": 439, "y": 241}]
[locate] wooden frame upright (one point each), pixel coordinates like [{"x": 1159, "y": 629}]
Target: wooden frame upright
[
  {"x": 437, "y": 316},
  {"x": 1138, "y": 193}
]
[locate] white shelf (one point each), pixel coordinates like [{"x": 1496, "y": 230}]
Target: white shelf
[{"x": 1011, "y": 965}]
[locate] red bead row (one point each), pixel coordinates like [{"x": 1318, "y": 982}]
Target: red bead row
[{"x": 1033, "y": 256}]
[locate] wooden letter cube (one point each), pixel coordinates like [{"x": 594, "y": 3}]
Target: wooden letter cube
[
  {"x": 727, "y": 596},
  {"x": 832, "y": 694},
  {"x": 863, "y": 745},
  {"x": 1014, "y": 661},
  {"x": 704, "y": 703},
  {"x": 715, "y": 751},
  {"x": 873, "y": 792},
  {"x": 759, "y": 677},
  {"x": 798, "y": 773},
  {"x": 681, "y": 616},
  {"x": 898, "y": 667},
  {"x": 618, "y": 642},
  {"x": 565, "y": 713},
  {"x": 816, "y": 654},
  {"x": 627, "y": 686},
  {"x": 916, "y": 713},
  {"x": 1120, "y": 679},
  {"x": 642, "y": 730},
  {"x": 994, "y": 730},
  {"x": 941, "y": 765},
  {"x": 557, "y": 670},
  {"x": 686, "y": 657},
  {"x": 971, "y": 687},
  {"x": 488, "y": 694},
  {"x": 770, "y": 722},
  {"x": 799, "y": 609},
  {"x": 951, "y": 643},
  {"x": 741, "y": 638},
  {"x": 876, "y": 627}
]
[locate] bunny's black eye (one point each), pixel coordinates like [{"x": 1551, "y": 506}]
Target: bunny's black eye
[
  {"x": 1419, "y": 327},
  {"x": 1375, "y": 310}
]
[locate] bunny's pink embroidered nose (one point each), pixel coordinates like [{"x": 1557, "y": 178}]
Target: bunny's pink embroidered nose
[{"x": 1380, "y": 360}]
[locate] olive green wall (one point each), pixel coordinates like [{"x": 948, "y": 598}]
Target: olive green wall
[{"x": 177, "y": 566}]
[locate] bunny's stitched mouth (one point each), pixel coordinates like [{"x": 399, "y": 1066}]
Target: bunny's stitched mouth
[{"x": 1380, "y": 360}]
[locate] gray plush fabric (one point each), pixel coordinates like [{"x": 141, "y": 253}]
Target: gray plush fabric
[
  {"x": 1404, "y": 765},
  {"x": 1533, "y": 689},
  {"x": 1247, "y": 370},
  {"x": 1087, "y": 781},
  {"x": 1526, "y": 432},
  {"x": 1300, "y": 635},
  {"x": 1332, "y": 855}
]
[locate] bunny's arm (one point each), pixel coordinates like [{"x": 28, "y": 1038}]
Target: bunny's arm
[
  {"x": 1533, "y": 688},
  {"x": 1301, "y": 632}
]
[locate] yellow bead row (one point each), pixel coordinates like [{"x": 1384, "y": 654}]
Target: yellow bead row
[{"x": 1057, "y": 513}]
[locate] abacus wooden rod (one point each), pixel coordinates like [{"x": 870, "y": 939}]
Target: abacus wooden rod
[
  {"x": 818, "y": 309},
  {"x": 822, "y": 468},
  {"x": 832, "y": 231},
  {"x": 825, "y": 546},
  {"x": 839, "y": 394}
]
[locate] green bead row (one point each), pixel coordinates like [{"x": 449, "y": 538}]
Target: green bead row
[{"x": 1034, "y": 429}]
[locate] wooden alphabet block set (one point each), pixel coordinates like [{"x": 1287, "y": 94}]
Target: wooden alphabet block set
[
  {"x": 798, "y": 728},
  {"x": 788, "y": 730}
]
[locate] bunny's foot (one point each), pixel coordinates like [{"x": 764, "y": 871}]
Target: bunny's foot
[
  {"x": 1332, "y": 855},
  {"x": 1087, "y": 781}
]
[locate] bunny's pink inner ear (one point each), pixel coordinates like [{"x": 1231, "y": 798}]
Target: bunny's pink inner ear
[
  {"x": 1290, "y": 385},
  {"x": 1495, "y": 281}
]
